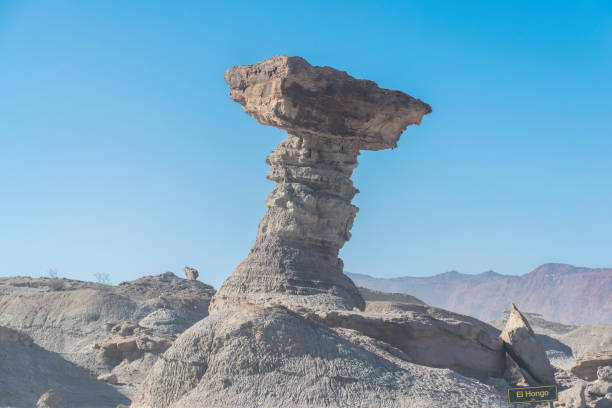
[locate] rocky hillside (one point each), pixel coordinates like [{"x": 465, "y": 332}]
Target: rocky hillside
[
  {"x": 78, "y": 331},
  {"x": 560, "y": 293}
]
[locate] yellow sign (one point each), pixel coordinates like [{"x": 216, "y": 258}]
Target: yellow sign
[{"x": 525, "y": 395}]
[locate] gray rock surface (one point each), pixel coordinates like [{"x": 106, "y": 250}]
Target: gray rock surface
[
  {"x": 428, "y": 336},
  {"x": 330, "y": 117},
  {"x": 67, "y": 324},
  {"x": 9, "y": 335},
  {"x": 516, "y": 375},
  {"x": 255, "y": 356},
  {"x": 599, "y": 388},
  {"x": 523, "y": 347}
]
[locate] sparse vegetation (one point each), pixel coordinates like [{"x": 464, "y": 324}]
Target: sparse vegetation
[
  {"x": 102, "y": 277},
  {"x": 55, "y": 283}
]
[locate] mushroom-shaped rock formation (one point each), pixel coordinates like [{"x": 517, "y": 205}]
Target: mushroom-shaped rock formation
[{"x": 329, "y": 116}]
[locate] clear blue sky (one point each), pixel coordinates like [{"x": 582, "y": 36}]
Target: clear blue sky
[{"x": 121, "y": 152}]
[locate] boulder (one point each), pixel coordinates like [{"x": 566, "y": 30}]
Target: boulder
[
  {"x": 428, "y": 336},
  {"x": 191, "y": 273},
  {"x": 587, "y": 364},
  {"x": 522, "y": 345}
]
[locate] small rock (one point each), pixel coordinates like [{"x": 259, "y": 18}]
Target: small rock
[
  {"x": 108, "y": 378},
  {"x": 605, "y": 373},
  {"x": 49, "y": 399},
  {"x": 128, "y": 344},
  {"x": 588, "y": 363},
  {"x": 599, "y": 387},
  {"x": 191, "y": 273},
  {"x": 152, "y": 343},
  {"x": 124, "y": 328}
]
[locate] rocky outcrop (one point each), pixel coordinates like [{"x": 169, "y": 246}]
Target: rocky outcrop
[
  {"x": 523, "y": 347},
  {"x": 375, "y": 296},
  {"x": 257, "y": 356},
  {"x": 131, "y": 324},
  {"x": 330, "y": 117},
  {"x": 587, "y": 364},
  {"x": 130, "y": 340},
  {"x": 427, "y": 336},
  {"x": 49, "y": 399},
  {"x": 589, "y": 338},
  {"x": 191, "y": 273},
  {"x": 593, "y": 394}
]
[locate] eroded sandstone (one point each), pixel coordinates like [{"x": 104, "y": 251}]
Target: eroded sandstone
[{"x": 330, "y": 116}]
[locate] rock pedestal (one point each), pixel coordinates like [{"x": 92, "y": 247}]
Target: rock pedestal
[{"x": 330, "y": 117}]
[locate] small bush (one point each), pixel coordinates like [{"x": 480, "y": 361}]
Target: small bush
[
  {"x": 56, "y": 284},
  {"x": 102, "y": 277}
]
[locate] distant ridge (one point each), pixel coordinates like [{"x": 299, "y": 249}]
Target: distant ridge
[{"x": 559, "y": 292}]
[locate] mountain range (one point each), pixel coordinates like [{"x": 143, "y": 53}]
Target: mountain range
[{"x": 559, "y": 292}]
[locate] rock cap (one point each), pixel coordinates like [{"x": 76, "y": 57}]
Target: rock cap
[{"x": 289, "y": 93}]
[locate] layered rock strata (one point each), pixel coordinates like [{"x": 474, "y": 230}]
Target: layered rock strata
[
  {"x": 588, "y": 363},
  {"x": 330, "y": 117},
  {"x": 191, "y": 273}
]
